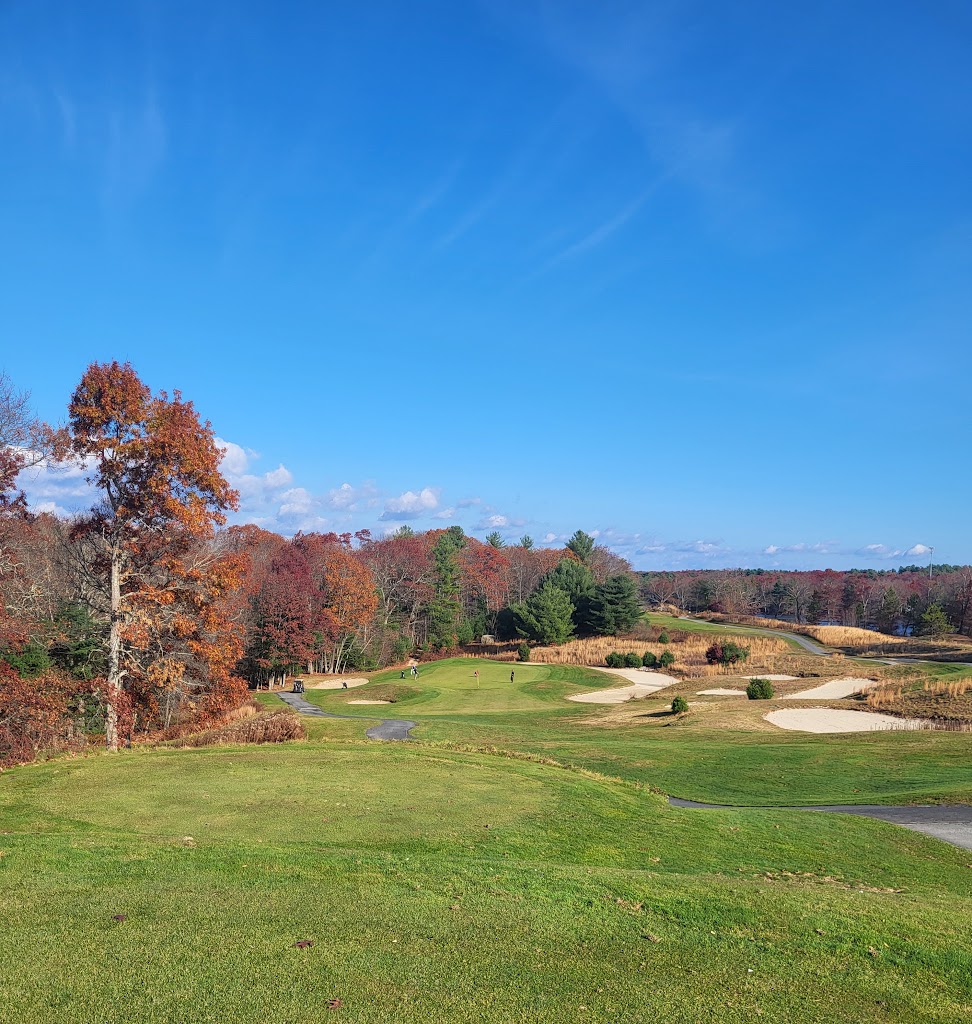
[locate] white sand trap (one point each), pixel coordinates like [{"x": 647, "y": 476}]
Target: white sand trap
[
  {"x": 367, "y": 702},
  {"x": 834, "y": 720},
  {"x": 322, "y": 683},
  {"x": 643, "y": 684},
  {"x": 720, "y": 693},
  {"x": 833, "y": 690},
  {"x": 772, "y": 679}
]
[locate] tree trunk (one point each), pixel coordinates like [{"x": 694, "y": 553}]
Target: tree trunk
[{"x": 114, "y": 654}]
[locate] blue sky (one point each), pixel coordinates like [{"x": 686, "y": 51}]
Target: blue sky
[{"x": 691, "y": 275}]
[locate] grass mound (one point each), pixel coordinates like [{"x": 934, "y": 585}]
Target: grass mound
[
  {"x": 277, "y": 727},
  {"x": 392, "y": 692}
]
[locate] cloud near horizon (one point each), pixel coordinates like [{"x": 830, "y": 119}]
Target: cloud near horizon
[
  {"x": 272, "y": 501},
  {"x": 411, "y": 505}
]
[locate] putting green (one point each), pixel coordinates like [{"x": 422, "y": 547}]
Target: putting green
[{"x": 451, "y": 687}]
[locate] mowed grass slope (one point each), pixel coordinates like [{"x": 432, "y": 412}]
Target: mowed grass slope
[{"x": 440, "y": 884}]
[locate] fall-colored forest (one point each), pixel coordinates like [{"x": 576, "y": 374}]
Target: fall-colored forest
[
  {"x": 929, "y": 600},
  {"x": 147, "y": 614}
]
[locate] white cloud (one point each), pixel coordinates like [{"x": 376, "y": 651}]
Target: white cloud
[
  {"x": 411, "y": 504},
  {"x": 446, "y": 513},
  {"x": 919, "y": 549},
  {"x": 549, "y": 538},
  {"x": 279, "y": 477},
  {"x": 296, "y": 502},
  {"x": 879, "y": 551},
  {"x": 351, "y": 498},
  {"x": 701, "y": 547},
  {"x": 236, "y": 460},
  {"x": 770, "y": 549}
]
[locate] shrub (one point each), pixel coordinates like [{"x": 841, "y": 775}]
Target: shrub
[
  {"x": 649, "y": 660},
  {"x": 614, "y": 660},
  {"x": 523, "y": 652},
  {"x": 632, "y": 660},
  {"x": 664, "y": 638},
  {"x": 759, "y": 689},
  {"x": 726, "y": 653},
  {"x": 35, "y": 717},
  {"x": 667, "y": 659},
  {"x": 679, "y": 706}
]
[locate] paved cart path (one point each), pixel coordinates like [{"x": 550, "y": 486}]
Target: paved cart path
[
  {"x": 387, "y": 729},
  {"x": 949, "y": 822}
]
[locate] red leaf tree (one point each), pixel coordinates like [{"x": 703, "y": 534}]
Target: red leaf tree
[{"x": 156, "y": 468}]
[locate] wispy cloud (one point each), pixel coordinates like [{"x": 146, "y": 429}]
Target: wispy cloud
[{"x": 137, "y": 141}]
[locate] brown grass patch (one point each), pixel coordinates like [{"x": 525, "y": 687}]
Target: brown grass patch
[
  {"x": 277, "y": 727},
  {"x": 689, "y": 652},
  {"x": 944, "y": 704}
]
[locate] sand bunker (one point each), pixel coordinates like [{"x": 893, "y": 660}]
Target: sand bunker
[
  {"x": 643, "y": 684},
  {"x": 367, "y": 702},
  {"x": 834, "y": 720},
  {"x": 772, "y": 679},
  {"x": 834, "y": 690},
  {"x": 326, "y": 683},
  {"x": 721, "y": 693}
]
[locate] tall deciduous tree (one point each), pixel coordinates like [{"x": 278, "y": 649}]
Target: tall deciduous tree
[{"x": 156, "y": 468}]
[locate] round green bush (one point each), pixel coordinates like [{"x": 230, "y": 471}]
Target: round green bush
[
  {"x": 632, "y": 660},
  {"x": 614, "y": 660},
  {"x": 667, "y": 659},
  {"x": 663, "y": 638},
  {"x": 649, "y": 660},
  {"x": 759, "y": 689},
  {"x": 679, "y": 706}
]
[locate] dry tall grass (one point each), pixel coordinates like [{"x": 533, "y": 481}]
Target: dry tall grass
[
  {"x": 689, "y": 653},
  {"x": 277, "y": 727},
  {"x": 954, "y": 688},
  {"x": 883, "y": 695}
]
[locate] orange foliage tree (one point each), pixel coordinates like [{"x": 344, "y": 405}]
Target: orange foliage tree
[{"x": 162, "y": 580}]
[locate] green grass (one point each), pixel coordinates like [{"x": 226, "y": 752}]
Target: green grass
[
  {"x": 682, "y": 757},
  {"x": 671, "y": 622},
  {"x": 440, "y": 884},
  {"x": 448, "y": 687}
]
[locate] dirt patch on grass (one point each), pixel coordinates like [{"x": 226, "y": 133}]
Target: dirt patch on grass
[{"x": 389, "y": 693}]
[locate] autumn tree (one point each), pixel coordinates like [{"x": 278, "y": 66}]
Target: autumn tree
[
  {"x": 24, "y": 441},
  {"x": 343, "y": 599},
  {"x": 161, "y": 495}
]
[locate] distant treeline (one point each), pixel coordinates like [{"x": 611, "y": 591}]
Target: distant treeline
[{"x": 894, "y": 601}]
